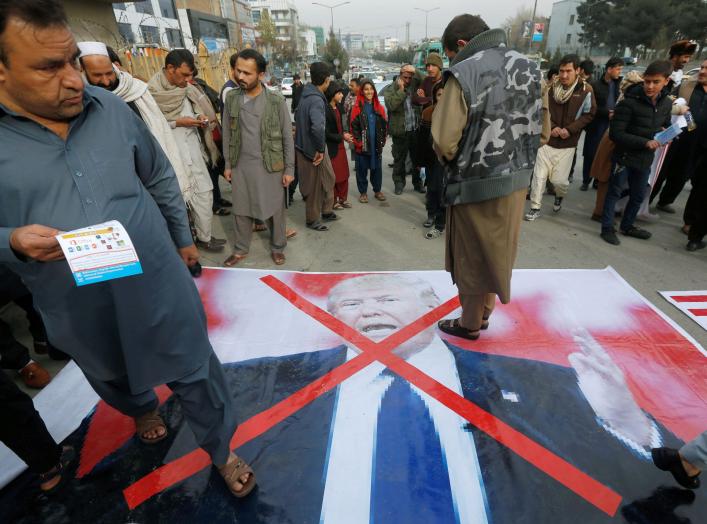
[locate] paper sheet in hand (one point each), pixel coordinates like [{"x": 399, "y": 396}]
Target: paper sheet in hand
[
  {"x": 666, "y": 136},
  {"x": 100, "y": 253}
]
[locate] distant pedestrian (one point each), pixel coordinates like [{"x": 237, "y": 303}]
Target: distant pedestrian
[
  {"x": 350, "y": 99},
  {"x": 297, "y": 88},
  {"x": 606, "y": 93},
  {"x": 369, "y": 131},
  {"x": 680, "y": 55},
  {"x": 488, "y": 154},
  {"x": 316, "y": 174},
  {"x": 571, "y": 107},
  {"x": 337, "y": 134},
  {"x": 644, "y": 111},
  {"x": 260, "y": 158}
]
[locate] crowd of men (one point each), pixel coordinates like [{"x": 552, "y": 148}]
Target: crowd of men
[{"x": 156, "y": 169}]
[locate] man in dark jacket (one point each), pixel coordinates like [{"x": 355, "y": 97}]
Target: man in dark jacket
[
  {"x": 313, "y": 164},
  {"x": 571, "y": 107},
  {"x": 606, "y": 93},
  {"x": 643, "y": 112},
  {"x": 297, "y": 87},
  {"x": 403, "y": 121}
]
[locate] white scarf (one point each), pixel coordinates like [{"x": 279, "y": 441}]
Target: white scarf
[{"x": 131, "y": 89}]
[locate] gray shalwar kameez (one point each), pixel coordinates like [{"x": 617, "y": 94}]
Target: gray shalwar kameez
[
  {"x": 131, "y": 334},
  {"x": 256, "y": 192}
]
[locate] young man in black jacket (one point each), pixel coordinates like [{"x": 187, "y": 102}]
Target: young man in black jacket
[{"x": 643, "y": 112}]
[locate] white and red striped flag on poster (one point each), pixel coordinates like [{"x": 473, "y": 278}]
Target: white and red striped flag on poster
[{"x": 692, "y": 303}]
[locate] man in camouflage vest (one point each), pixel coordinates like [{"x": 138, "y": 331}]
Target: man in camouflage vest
[
  {"x": 486, "y": 131},
  {"x": 260, "y": 156}
]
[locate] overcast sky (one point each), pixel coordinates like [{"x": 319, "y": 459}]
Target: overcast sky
[{"x": 388, "y": 17}]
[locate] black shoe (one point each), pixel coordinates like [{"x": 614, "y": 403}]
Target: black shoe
[
  {"x": 224, "y": 203},
  {"x": 666, "y": 208},
  {"x": 637, "y": 232},
  {"x": 429, "y": 222},
  {"x": 595, "y": 184},
  {"x": 694, "y": 245},
  {"x": 210, "y": 246},
  {"x": 195, "y": 270},
  {"x": 610, "y": 237},
  {"x": 330, "y": 217},
  {"x": 218, "y": 241},
  {"x": 420, "y": 189},
  {"x": 584, "y": 187},
  {"x": 557, "y": 205},
  {"x": 668, "y": 459},
  {"x": 398, "y": 189}
]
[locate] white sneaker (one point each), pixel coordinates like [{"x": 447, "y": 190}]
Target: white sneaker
[{"x": 532, "y": 215}]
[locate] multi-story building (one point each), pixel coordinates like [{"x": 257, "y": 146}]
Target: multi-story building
[
  {"x": 308, "y": 43},
  {"x": 284, "y": 15},
  {"x": 565, "y": 32},
  {"x": 389, "y": 43},
  {"x": 240, "y": 21},
  {"x": 321, "y": 38},
  {"x": 353, "y": 42},
  {"x": 148, "y": 22},
  {"x": 372, "y": 44}
]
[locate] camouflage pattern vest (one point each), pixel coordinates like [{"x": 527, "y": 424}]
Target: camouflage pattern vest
[
  {"x": 270, "y": 130},
  {"x": 497, "y": 150}
]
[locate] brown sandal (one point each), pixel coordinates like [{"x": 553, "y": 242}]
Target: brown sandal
[
  {"x": 233, "y": 260},
  {"x": 363, "y": 198},
  {"x": 257, "y": 228},
  {"x": 149, "y": 422},
  {"x": 231, "y": 474}
]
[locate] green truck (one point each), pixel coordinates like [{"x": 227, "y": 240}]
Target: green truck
[{"x": 424, "y": 49}]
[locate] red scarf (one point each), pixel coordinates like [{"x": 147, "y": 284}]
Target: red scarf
[{"x": 358, "y": 106}]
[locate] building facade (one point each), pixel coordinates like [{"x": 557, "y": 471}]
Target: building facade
[
  {"x": 150, "y": 23},
  {"x": 565, "y": 31},
  {"x": 353, "y": 42},
  {"x": 284, "y": 15}
]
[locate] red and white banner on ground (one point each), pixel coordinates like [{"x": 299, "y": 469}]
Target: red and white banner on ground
[{"x": 692, "y": 303}]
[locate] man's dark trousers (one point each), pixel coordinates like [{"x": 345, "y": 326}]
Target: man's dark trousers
[
  {"x": 637, "y": 181},
  {"x": 22, "y": 429},
  {"x": 403, "y": 146}
]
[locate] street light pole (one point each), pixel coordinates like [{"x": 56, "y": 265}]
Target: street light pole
[
  {"x": 427, "y": 13},
  {"x": 331, "y": 10}
]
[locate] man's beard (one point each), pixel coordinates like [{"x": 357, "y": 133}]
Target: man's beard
[
  {"x": 248, "y": 87},
  {"x": 112, "y": 87}
]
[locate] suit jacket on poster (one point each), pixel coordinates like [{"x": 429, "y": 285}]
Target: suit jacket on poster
[{"x": 291, "y": 458}]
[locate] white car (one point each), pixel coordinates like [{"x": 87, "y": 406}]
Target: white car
[{"x": 286, "y": 86}]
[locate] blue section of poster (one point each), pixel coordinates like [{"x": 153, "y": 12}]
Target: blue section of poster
[{"x": 103, "y": 274}]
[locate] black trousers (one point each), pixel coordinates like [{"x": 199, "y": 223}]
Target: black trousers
[
  {"x": 676, "y": 171},
  {"x": 14, "y": 355},
  {"x": 403, "y": 147},
  {"x": 434, "y": 199},
  {"x": 23, "y": 430},
  {"x": 214, "y": 174},
  {"x": 696, "y": 208}
]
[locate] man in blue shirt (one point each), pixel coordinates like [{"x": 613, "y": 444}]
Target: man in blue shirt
[{"x": 76, "y": 156}]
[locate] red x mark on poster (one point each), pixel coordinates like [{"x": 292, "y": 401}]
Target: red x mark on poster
[{"x": 568, "y": 475}]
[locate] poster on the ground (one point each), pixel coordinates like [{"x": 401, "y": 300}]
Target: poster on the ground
[
  {"x": 355, "y": 408},
  {"x": 692, "y": 303}
]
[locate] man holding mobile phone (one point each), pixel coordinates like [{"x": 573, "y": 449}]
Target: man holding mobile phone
[{"x": 184, "y": 107}]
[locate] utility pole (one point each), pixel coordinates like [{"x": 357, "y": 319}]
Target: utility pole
[
  {"x": 427, "y": 14},
  {"x": 331, "y": 10},
  {"x": 407, "y": 34}
]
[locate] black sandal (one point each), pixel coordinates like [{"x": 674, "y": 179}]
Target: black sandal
[
  {"x": 68, "y": 454},
  {"x": 317, "y": 226},
  {"x": 222, "y": 212},
  {"x": 452, "y": 327},
  {"x": 668, "y": 459}
]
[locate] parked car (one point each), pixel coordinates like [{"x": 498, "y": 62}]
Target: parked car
[
  {"x": 693, "y": 72},
  {"x": 286, "y": 86}
]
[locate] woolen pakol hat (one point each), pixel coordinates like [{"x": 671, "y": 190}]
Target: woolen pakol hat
[{"x": 434, "y": 59}]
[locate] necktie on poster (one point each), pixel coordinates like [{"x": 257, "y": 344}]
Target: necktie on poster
[{"x": 100, "y": 253}]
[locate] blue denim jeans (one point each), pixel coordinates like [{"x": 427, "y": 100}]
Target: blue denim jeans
[{"x": 637, "y": 183}]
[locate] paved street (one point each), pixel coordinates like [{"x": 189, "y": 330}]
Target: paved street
[{"x": 389, "y": 236}]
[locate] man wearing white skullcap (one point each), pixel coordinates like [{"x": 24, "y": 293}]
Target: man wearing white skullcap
[{"x": 101, "y": 72}]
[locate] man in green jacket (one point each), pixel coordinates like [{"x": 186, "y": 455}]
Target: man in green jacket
[{"x": 403, "y": 121}]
